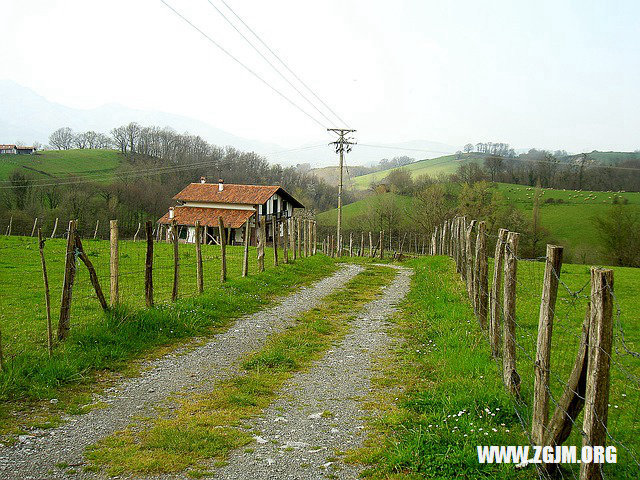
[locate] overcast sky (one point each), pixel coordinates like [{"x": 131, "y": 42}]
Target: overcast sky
[{"x": 551, "y": 74}]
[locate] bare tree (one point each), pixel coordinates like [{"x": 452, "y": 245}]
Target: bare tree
[{"x": 62, "y": 138}]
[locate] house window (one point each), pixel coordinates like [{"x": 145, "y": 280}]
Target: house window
[{"x": 275, "y": 206}]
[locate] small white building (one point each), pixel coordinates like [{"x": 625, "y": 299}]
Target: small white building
[
  {"x": 16, "y": 150},
  {"x": 234, "y": 203}
]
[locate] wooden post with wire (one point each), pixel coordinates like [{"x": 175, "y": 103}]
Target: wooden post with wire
[
  {"x": 509, "y": 373},
  {"x": 245, "y": 257},
  {"x": 176, "y": 261},
  {"x": 482, "y": 275},
  {"x": 361, "y": 252},
  {"x": 494, "y": 320},
  {"x": 67, "y": 287},
  {"x": 223, "y": 251},
  {"x": 596, "y": 404},
  {"x": 292, "y": 238},
  {"x": 199, "y": 272},
  {"x": 47, "y": 297},
  {"x": 542, "y": 366},
  {"x": 469, "y": 259},
  {"x": 285, "y": 241},
  {"x": 95, "y": 232},
  {"x": 93, "y": 276},
  {"x": 148, "y": 266},
  {"x": 135, "y": 236},
  {"x": 299, "y": 235},
  {"x": 262, "y": 238},
  {"x": 114, "y": 263},
  {"x": 55, "y": 227},
  {"x": 315, "y": 237},
  {"x": 35, "y": 224},
  {"x": 274, "y": 237}
]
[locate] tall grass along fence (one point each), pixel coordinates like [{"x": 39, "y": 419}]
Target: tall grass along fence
[
  {"x": 559, "y": 342},
  {"x": 151, "y": 267}
]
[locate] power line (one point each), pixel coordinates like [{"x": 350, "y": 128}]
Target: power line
[
  {"x": 269, "y": 61},
  {"x": 283, "y": 63},
  {"x": 230, "y": 55}
]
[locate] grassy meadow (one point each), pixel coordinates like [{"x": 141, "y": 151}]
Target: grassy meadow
[
  {"x": 454, "y": 399},
  {"x": 61, "y": 163},
  {"x": 432, "y": 166},
  {"x": 98, "y": 340}
]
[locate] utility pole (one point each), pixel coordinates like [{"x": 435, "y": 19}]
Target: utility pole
[{"x": 343, "y": 143}]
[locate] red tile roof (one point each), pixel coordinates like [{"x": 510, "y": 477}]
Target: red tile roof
[
  {"x": 233, "y": 193},
  {"x": 208, "y": 216}
]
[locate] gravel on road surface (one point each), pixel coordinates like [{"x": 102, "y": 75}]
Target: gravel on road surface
[{"x": 36, "y": 456}]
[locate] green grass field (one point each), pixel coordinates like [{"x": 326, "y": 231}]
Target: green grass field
[
  {"x": 352, "y": 211},
  {"x": 23, "y": 314},
  {"x": 453, "y": 397},
  {"x": 100, "y": 164},
  {"x": 432, "y": 167}
]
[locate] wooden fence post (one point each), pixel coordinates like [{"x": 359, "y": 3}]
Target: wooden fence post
[
  {"x": 351, "y": 244},
  {"x": 114, "y": 263},
  {"x": 285, "y": 241},
  {"x": 148, "y": 265},
  {"x": 381, "y": 244},
  {"x": 199, "y": 273},
  {"x": 95, "y": 232},
  {"x": 370, "y": 244},
  {"x": 596, "y": 409},
  {"x": 55, "y": 227},
  {"x": 463, "y": 249},
  {"x": 135, "y": 236},
  {"x": 9, "y": 227},
  {"x": 176, "y": 261},
  {"x": 482, "y": 275},
  {"x": 223, "y": 250},
  {"x": 469, "y": 259},
  {"x": 47, "y": 298},
  {"x": 445, "y": 238},
  {"x": 67, "y": 287},
  {"x": 494, "y": 321},
  {"x": 262, "y": 239},
  {"x": 33, "y": 230},
  {"x": 510, "y": 374},
  {"x": 245, "y": 258},
  {"x": 93, "y": 276},
  {"x": 292, "y": 238},
  {"x": 299, "y": 235},
  {"x": 572, "y": 399},
  {"x": 274, "y": 227},
  {"x": 361, "y": 252},
  {"x": 540, "y": 414},
  {"x": 315, "y": 237}
]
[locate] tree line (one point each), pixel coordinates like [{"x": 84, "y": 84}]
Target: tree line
[{"x": 156, "y": 164}]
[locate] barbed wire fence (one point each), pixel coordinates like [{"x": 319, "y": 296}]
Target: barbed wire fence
[
  {"x": 582, "y": 388},
  {"x": 64, "y": 260}
]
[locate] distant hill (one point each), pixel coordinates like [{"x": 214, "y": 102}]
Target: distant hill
[
  {"x": 56, "y": 164},
  {"x": 608, "y": 158},
  {"x": 432, "y": 167}
]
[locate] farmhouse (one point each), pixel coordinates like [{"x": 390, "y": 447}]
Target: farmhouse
[
  {"x": 16, "y": 150},
  {"x": 235, "y": 204}
]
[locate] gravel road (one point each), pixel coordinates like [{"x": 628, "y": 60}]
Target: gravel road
[
  {"x": 319, "y": 413},
  {"x": 35, "y": 457}
]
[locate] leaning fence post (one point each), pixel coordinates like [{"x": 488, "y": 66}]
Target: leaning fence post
[
  {"x": 55, "y": 227},
  {"x": 597, "y": 392},
  {"x": 199, "y": 273},
  {"x": 482, "y": 275},
  {"x": 494, "y": 321},
  {"x": 540, "y": 414},
  {"x": 510, "y": 374},
  {"x": 9, "y": 227},
  {"x": 47, "y": 298},
  {"x": 148, "y": 266},
  {"x": 95, "y": 232},
  {"x": 176, "y": 261},
  {"x": 114, "y": 262},
  {"x": 223, "y": 251},
  {"x": 33, "y": 230},
  {"x": 67, "y": 287},
  {"x": 245, "y": 258},
  {"x": 135, "y": 236}
]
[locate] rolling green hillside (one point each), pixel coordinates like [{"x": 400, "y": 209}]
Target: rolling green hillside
[
  {"x": 566, "y": 214},
  {"x": 60, "y": 163},
  {"x": 432, "y": 166}
]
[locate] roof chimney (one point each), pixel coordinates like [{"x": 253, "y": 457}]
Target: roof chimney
[
  {"x": 172, "y": 213},
  {"x": 220, "y": 185},
  {"x": 203, "y": 179}
]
